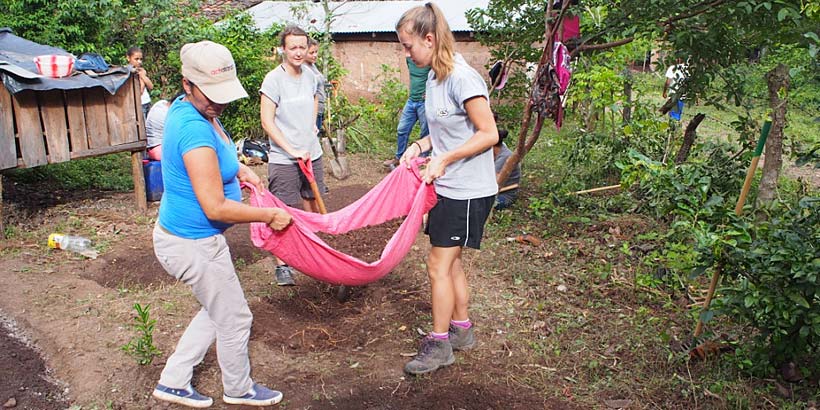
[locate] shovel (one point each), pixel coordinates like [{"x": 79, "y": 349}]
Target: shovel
[{"x": 339, "y": 167}]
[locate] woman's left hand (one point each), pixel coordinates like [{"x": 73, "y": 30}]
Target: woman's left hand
[{"x": 247, "y": 176}]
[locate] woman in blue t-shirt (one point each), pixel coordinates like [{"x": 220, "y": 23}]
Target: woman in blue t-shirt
[
  {"x": 462, "y": 131},
  {"x": 202, "y": 197}
]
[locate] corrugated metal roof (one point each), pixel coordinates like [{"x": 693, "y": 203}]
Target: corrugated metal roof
[{"x": 355, "y": 16}]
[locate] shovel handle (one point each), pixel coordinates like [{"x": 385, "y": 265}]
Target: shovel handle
[{"x": 307, "y": 169}]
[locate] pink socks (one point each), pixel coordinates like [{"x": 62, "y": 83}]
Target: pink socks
[{"x": 464, "y": 324}]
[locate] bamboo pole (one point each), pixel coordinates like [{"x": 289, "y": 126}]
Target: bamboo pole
[
  {"x": 603, "y": 188},
  {"x": 741, "y": 200}
]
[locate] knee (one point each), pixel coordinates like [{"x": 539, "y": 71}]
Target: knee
[{"x": 435, "y": 270}]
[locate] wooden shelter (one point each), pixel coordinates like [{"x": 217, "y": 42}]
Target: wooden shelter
[{"x": 48, "y": 127}]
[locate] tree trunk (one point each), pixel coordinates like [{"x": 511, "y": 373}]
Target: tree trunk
[
  {"x": 627, "y": 112},
  {"x": 778, "y": 81},
  {"x": 689, "y": 138}
]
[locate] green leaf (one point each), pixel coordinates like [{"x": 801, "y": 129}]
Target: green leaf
[
  {"x": 782, "y": 14},
  {"x": 799, "y": 300}
]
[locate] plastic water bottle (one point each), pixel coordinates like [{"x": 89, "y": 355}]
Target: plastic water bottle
[{"x": 72, "y": 243}]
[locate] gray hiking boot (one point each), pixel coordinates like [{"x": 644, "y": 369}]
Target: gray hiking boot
[
  {"x": 461, "y": 339},
  {"x": 433, "y": 353},
  {"x": 284, "y": 275}
]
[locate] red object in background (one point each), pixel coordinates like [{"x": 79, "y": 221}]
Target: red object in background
[{"x": 54, "y": 66}]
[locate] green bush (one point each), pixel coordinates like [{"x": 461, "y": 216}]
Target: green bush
[{"x": 776, "y": 288}]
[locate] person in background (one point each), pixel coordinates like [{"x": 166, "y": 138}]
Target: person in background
[
  {"x": 462, "y": 131},
  {"x": 412, "y": 112},
  {"x": 310, "y": 63},
  {"x": 508, "y": 192},
  {"x": 154, "y": 126},
  {"x": 202, "y": 197},
  {"x": 288, "y": 109},
  {"x": 672, "y": 88},
  {"x": 134, "y": 56}
]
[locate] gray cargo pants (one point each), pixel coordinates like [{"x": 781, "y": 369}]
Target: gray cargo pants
[{"x": 205, "y": 265}]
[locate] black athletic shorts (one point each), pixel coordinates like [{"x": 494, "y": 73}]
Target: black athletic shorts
[{"x": 455, "y": 222}]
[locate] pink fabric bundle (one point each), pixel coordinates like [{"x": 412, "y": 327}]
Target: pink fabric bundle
[{"x": 401, "y": 193}]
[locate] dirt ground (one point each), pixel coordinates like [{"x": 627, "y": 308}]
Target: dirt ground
[
  {"x": 322, "y": 353},
  {"x": 562, "y": 322}
]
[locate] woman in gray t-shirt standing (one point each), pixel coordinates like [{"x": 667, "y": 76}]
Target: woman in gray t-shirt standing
[
  {"x": 289, "y": 105},
  {"x": 462, "y": 131}
]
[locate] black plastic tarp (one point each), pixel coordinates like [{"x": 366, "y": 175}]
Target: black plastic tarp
[{"x": 20, "y": 73}]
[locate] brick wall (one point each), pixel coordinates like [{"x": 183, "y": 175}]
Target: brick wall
[{"x": 363, "y": 60}]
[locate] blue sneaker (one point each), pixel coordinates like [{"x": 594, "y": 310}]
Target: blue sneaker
[
  {"x": 258, "y": 396},
  {"x": 186, "y": 397}
]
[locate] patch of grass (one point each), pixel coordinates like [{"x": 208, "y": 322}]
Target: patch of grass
[{"x": 108, "y": 172}]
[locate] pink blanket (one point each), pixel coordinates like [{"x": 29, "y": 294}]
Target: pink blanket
[{"x": 401, "y": 193}]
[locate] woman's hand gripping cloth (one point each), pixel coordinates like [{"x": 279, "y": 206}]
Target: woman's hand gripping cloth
[{"x": 400, "y": 193}]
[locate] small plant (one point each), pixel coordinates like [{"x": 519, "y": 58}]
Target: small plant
[{"x": 142, "y": 346}]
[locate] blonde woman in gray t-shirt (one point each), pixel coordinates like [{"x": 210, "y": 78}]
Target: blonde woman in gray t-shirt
[
  {"x": 462, "y": 131},
  {"x": 289, "y": 106}
]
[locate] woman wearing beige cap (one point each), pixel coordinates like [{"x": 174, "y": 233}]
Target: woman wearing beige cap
[{"x": 202, "y": 199}]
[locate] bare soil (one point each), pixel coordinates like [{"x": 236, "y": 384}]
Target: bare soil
[
  {"x": 562, "y": 323},
  {"x": 322, "y": 353}
]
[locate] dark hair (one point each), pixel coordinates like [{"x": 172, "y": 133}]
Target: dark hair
[
  {"x": 312, "y": 42},
  {"x": 502, "y": 134},
  {"x": 133, "y": 50},
  {"x": 291, "y": 30}
]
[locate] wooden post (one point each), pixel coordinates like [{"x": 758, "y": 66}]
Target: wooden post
[
  {"x": 747, "y": 183},
  {"x": 2, "y": 226},
  {"x": 139, "y": 181}
]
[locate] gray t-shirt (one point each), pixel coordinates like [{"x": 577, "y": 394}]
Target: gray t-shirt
[
  {"x": 501, "y": 159},
  {"x": 450, "y": 128},
  {"x": 293, "y": 97},
  {"x": 155, "y": 122},
  {"x": 322, "y": 82}
]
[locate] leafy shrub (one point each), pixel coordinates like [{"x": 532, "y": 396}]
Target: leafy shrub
[{"x": 777, "y": 290}]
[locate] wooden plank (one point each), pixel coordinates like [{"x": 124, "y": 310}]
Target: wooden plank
[
  {"x": 134, "y": 119},
  {"x": 96, "y": 119},
  {"x": 131, "y": 146},
  {"x": 52, "y": 110},
  {"x": 2, "y": 227},
  {"x": 29, "y": 130},
  {"x": 117, "y": 115},
  {"x": 78, "y": 135},
  {"x": 139, "y": 181},
  {"x": 8, "y": 150}
]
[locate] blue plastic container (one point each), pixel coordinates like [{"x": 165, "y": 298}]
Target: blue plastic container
[{"x": 153, "y": 179}]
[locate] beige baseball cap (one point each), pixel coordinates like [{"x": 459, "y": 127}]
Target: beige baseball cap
[{"x": 210, "y": 67}]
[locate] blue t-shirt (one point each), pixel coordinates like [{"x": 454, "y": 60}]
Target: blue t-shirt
[{"x": 179, "y": 211}]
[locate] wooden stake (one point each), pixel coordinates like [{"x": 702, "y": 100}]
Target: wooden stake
[
  {"x": 750, "y": 173},
  {"x": 603, "y": 188}
]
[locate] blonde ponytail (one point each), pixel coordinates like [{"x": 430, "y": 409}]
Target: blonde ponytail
[{"x": 429, "y": 19}]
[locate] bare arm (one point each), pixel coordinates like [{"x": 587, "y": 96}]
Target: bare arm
[
  {"x": 268, "y": 116},
  {"x": 666, "y": 87},
  {"x": 202, "y": 165},
  {"x": 485, "y": 137},
  {"x": 146, "y": 82}
]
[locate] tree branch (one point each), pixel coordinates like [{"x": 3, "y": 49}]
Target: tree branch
[{"x": 693, "y": 13}]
